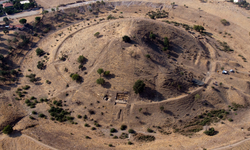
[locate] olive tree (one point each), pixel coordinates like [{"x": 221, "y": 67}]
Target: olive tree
[
  {"x": 23, "y": 21},
  {"x": 139, "y": 86}
]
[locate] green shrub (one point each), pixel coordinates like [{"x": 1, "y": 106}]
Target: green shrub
[
  {"x": 152, "y": 35},
  {"x": 22, "y": 21},
  {"x": 130, "y": 143},
  {"x": 41, "y": 116},
  {"x": 148, "y": 56},
  {"x": 123, "y": 127},
  {"x": 199, "y": 28},
  {"x": 138, "y": 86},
  {"x": 34, "y": 112},
  {"x": 131, "y": 131},
  {"x": 76, "y": 77},
  {"x": 106, "y": 73},
  {"x": 166, "y": 43},
  {"x": 110, "y": 17},
  {"x": 97, "y": 34},
  {"x": 150, "y": 130},
  {"x": 224, "y": 22},
  {"x": 100, "y": 81},
  {"x": 40, "y": 65},
  {"x": 26, "y": 87},
  {"x": 112, "y": 130},
  {"x": 100, "y": 71},
  {"x": 7, "y": 129},
  {"x": 115, "y": 137},
  {"x": 210, "y": 132},
  {"x": 39, "y": 52},
  {"x": 81, "y": 59},
  {"x": 126, "y": 38}
]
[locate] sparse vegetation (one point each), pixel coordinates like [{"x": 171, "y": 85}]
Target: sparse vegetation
[
  {"x": 210, "y": 132},
  {"x": 97, "y": 34},
  {"x": 199, "y": 28},
  {"x": 158, "y": 14},
  {"x": 224, "y": 22}
]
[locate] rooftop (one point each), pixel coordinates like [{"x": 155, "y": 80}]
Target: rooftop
[{"x": 7, "y": 5}]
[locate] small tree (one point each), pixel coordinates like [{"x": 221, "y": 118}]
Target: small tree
[
  {"x": 112, "y": 130},
  {"x": 148, "y": 56},
  {"x": 100, "y": 81},
  {"x": 100, "y": 71},
  {"x": 152, "y": 35},
  {"x": 8, "y": 129},
  {"x": 76, "y": 77},
  {"x": 15, "y": 40},
  {"x": 199, "y": 28},
  {"x": 224, "y": 22},
  {"x": 106, "y": 73},
  {"x": 6, "y": 20},
  {"x": 5, "y": 31},
  {"x": 97, "y": 34},
  {"x": 123, "y": 127},
  {"x": 131, "y": 131},
  {"x": 40, "y": 65},
  {"x": 52, "y": 9},
  {"x": 81, "y": 59},
  {"x": 38, "y": 19},
  {"x": 23, "y": 21},
  {"x": 161, "y": 108},
  {"x": 210, "y": 132},
  {"x": 166, "y": 43},
  {"x": 39, "y": 52},
  {"x": 1, "y": 57},
  {"x": 126, "y": 39},
  {"x": 139, "y": 86}
]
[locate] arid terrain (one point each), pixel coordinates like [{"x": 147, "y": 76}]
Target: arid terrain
[{"x": 53, "y": 94}]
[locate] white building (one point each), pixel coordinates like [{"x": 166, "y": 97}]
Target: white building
[
  {"x": 24, "y": 2},
  {"x": 238, "y": 1}
]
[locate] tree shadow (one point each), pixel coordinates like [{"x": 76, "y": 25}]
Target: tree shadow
[
  {"x": 175, "y": 48},
  {"x": 168, "y": 112},
  {"x": 106, "y": 85},
  {"x": 146, "y": 113},
  {"x": 207, "y": 104},
  {"x": 15, "y": 134},
  {"x": 110, "y": 76},
  {"x": 151, "y": 94}
]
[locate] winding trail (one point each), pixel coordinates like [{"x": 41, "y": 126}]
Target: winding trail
[
  {"x": 38, "y": 142},
  {"x": 232, "y": 145}
]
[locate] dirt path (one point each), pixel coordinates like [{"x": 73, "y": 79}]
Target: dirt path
[
  {"x": 30, "y": 138},
  {"x": 38, "y": 142},
  {"x": 232, "y": 145}
]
